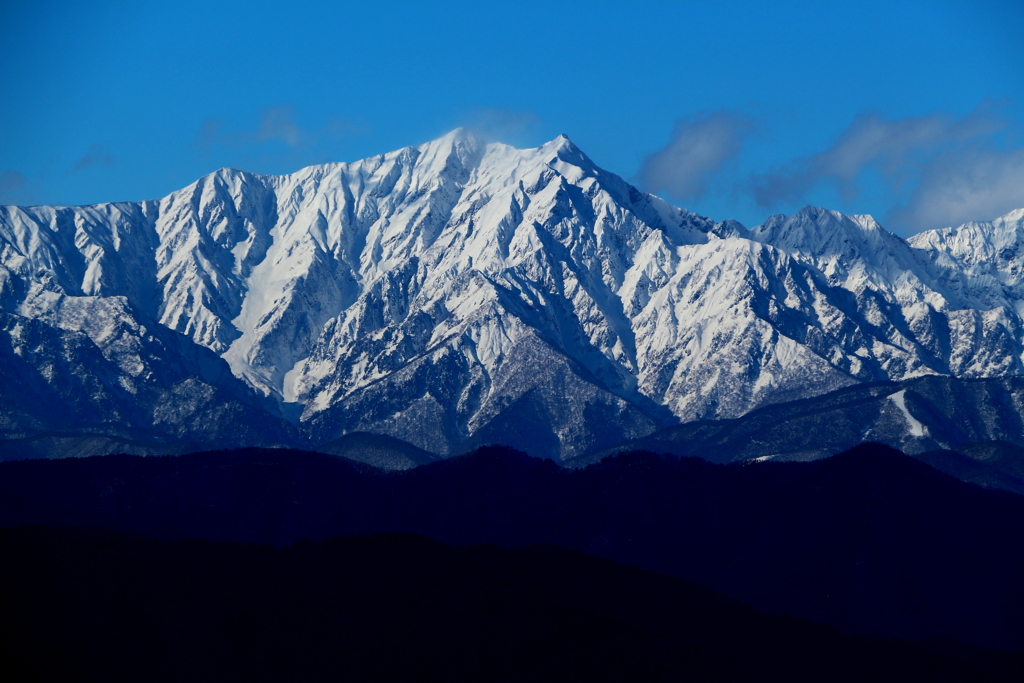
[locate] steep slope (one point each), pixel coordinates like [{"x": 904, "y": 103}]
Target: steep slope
[
  {"x": 461, "y": 293},
  {"x": 87, "y": 363},
  {"x": 964, "y": 427},
  {"x": 425, "y": 282},
  {"x": 916, "y": 316},
  {"x": 989, "y": 256}
]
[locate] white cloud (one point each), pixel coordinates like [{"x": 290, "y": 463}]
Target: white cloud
[
  {"x": 938, "y": 170},
  {"x": 510, "y": 126},
  {"x": 278, "y": 124},
  {"x": 700, "y": 147},
  {"x": 12, "y": 187},
  {"x": 891, "y": 145},
  {"x": 95, "y": 155},
  {"x": 972, "y": 184}
]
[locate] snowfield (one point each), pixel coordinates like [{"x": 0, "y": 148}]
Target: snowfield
[{"x": 461, "y": 293}]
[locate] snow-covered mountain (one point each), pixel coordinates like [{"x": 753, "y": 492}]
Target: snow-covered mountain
[{"x": 460, "y": 293}]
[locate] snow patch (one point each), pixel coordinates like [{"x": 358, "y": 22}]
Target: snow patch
[{"x": 916, "y": 428}]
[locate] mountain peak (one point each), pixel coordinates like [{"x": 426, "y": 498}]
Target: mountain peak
[
  {"x": 1016, "y": 216},
  {"x": 816, "y": 230},
  {"x": 988, "y": 249},
  {"x": 559, "y": 144},
  {"x": 456, "y": 136},
  {"x": 449, "y": 291},
  {"x": 834, "y": 219},
  {"x": 460, "y": 142},
  {"x": 817, "y": 213}
]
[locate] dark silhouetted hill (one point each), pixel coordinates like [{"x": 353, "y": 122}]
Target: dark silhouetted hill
[
  {"x": 976, "y": 418},
  {"x": 871, "y": 541},
  {"x": 84, "y": 604}
]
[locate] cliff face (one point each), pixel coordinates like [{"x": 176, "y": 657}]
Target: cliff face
[{"x": 462, "y": 293}]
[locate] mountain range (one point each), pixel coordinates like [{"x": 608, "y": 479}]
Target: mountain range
[{"x": 463, "y": 293}]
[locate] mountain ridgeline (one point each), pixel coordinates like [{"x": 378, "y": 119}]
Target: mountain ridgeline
[
  {"x": 459, "y": 294},
  {"x": 972, "y": 429}
]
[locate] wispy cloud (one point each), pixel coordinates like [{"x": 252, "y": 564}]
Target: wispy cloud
[
  {"x": 699, "y": 148},
  {"x": 210, "y": 133},
  {"x": 974, "y": 183},
  {"x": 94, "y": 157},
  {"x": 938, "y": 169},
  {"x": 495, "y": 124},
  {"x": 338, "y": 127},
  {"x": 11, "y": 181},
  {"x": 277, "y": 124},
  {"x": 12, "y": 187}
]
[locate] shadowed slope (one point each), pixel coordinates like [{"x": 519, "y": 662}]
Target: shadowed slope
[{"x": 980, "y": 419}]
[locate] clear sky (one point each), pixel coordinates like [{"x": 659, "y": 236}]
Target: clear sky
[{"x": 910, "y": 111}]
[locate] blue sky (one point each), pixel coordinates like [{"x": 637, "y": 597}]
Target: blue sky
[{"x": 910, "y": 111}]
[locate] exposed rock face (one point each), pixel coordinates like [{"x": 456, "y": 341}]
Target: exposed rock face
[{"x": 460, "y": 293}]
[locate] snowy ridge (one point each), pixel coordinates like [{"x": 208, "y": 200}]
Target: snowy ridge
[{"x": 458, "y": 292}]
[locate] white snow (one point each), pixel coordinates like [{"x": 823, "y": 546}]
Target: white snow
[
  {"x": 916, "y": 428},
  {"x": 339, "y": 279}
]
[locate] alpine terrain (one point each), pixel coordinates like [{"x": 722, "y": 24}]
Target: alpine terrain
[{"x": 462, "y": 293}]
